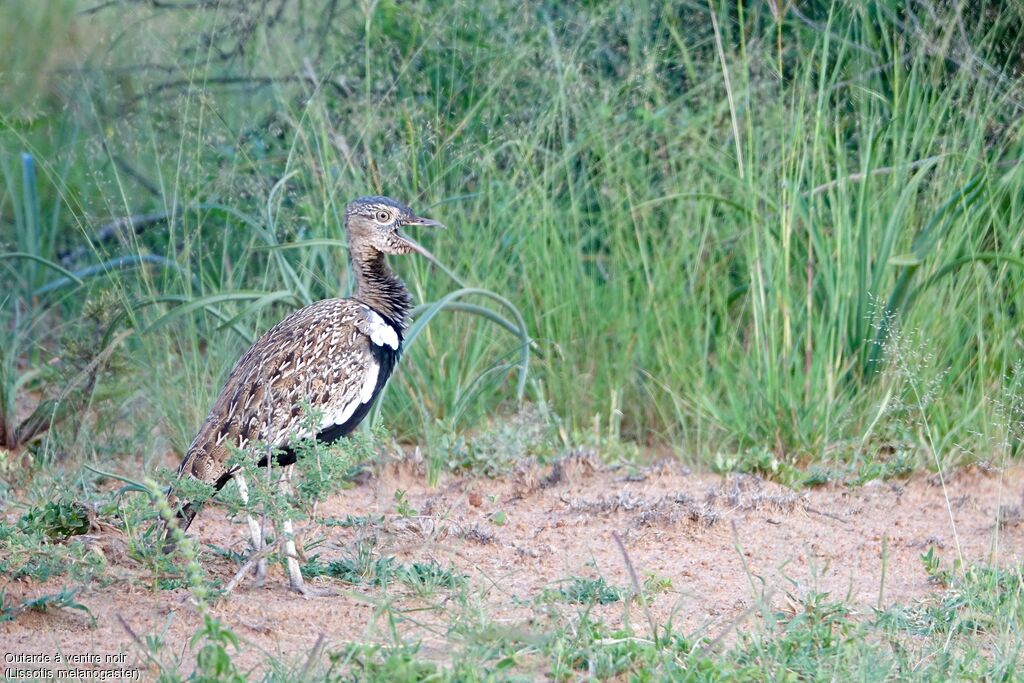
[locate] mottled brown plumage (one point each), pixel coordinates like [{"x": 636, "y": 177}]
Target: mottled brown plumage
[
  {"x": 319, "y": 354},
  {"x": 334, "y": 355}
]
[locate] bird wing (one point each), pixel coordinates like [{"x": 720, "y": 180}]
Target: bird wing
[{"x": 321, "y": 355}]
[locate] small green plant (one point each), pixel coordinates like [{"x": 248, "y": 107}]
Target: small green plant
[
  {"x": 582, "y": 591},
  {"x": 761, "y": 461},
  {"x": 427, "y": 578},
  {"x": 213, "y": 661},
  {"x": 499, "y": 518},
  {"x": 900, "y": 464},
  {"x": 56, "y": 520},
  {"x": 64, "y": 599},
  {"x": 933, "y": 568},
  {"x": 424, "y": 578},
  {"x": 402, "y": 506},
  {"x": 44, "y": 545},
  {"x": 655, "y": 584}
]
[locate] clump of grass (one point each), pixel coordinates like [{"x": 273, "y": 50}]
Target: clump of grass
[
  {"x": 427, "y": 578},
  {"x": 56, "y": 520},
  {"x": 582, "y": 591},
  {"x": 979, "y": 600},
  {"x": 357, "y": 571},
  {"x": 44, "y": 544},
  {"x": 377, "y": 663},
  {"x": 423, "y": 578},
  {"x": 761, "y": 461},
  {"x": 64, "y": 599},
  {"x": 498, "y": 446}
]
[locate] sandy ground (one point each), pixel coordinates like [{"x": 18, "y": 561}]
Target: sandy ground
[{"x": 728, "y": 544}]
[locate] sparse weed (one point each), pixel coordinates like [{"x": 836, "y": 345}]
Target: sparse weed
[
  {"x": 43, "y": 545},
  {"x": 760, "y": 461},
  {"x": 427, "y": 578},
  {"x": 377, "y": 664},
  {"x": 933, "y": 568},
  {"x": 424, "y": 579},
  {"x": 495, "y": 449},
  {"x": 64, "y": 599},
  {"x": 350, "y": 521},
  {"x": 56, "y": 520},
  {"x": 582, "y": 591},
  {"x": 402, "y": 506},
  {"x": 655, "y": 584}
]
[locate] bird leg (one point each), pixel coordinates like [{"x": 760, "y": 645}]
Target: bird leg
[
  {"x": 255, "y": 532},
  {"x": 291, "y": 555},
  {"x": 290, "y": 552}
]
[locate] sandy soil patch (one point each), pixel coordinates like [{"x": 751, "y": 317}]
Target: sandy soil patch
[{"x": 727, "y": 544}]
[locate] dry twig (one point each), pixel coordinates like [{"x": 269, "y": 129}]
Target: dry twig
[{"x": 637, "y": 589}]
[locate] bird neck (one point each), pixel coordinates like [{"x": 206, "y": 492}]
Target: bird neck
[{"x": 379, "y": 288}]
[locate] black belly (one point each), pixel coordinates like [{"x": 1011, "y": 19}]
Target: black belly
[{"x": 387, "y": 358}]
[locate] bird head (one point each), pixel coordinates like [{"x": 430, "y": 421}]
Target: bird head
[{"x": 377, "y": 222}]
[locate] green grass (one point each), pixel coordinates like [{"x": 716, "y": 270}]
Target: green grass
[
  {"x": 818, "y": 639},
  {"x": 586, "y": 592},
  {"x": 784, "y": 244},
  {"x": 705, "y": 254}
]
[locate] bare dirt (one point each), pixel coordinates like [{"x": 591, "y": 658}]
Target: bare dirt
[{"x": 727, "y": 544}]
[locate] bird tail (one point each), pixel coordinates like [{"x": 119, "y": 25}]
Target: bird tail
[{"x": 184, "y": 514}]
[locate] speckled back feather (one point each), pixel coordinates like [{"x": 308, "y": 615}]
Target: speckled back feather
[{"x": 319, "y": 355}]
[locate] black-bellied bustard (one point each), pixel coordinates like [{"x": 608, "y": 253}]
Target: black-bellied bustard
[{"x": 334, "y": 355}]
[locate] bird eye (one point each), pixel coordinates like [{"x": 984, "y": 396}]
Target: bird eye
[{"x": 383, "y": 217}]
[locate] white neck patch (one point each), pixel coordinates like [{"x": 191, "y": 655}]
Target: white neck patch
[{"x": 381, "y": 333}]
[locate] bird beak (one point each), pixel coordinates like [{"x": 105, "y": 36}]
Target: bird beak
[
  {"x": 418, "y": 222},
  {"x": 424, "y": 222}
]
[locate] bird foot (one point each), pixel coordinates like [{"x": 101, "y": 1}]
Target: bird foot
[
  {"x": 310, "y": 592},
  {"x": 260, "y": 572}
]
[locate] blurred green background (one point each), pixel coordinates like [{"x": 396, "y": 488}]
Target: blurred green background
[{"x": 750, "y": 234}]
